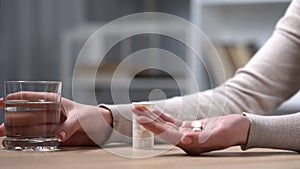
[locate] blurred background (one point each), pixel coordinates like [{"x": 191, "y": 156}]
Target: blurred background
[{"x": 41, "y": 39}]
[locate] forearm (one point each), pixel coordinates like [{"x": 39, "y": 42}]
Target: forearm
[
  {"x": 260, "y": 87},
  {"x": 270, "y": 78},
  {"x": 272, "y": 75}
]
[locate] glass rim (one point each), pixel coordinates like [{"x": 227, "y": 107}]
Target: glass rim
[{"x": 34, "y": 81}]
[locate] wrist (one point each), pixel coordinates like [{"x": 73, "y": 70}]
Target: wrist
[
  {"x": 245, "y": 127},
  {"x": 107, "y": 115}
]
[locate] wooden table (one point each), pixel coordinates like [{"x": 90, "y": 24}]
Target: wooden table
[{"x": 94, "y": 157}]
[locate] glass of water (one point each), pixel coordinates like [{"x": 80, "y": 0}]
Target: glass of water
[{"x": 31, "y": 114}]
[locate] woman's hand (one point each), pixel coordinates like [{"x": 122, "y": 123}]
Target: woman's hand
[
  {"x": 80, "y": 119},
  {"x": 217, "y": 132},
  {"x": 76, "y": 121}
]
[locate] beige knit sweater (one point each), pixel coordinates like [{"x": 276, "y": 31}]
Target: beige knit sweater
[{"x": 271, "y": 77}]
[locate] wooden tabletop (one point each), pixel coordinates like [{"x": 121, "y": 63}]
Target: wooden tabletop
[{"x": 166, "y": 157}]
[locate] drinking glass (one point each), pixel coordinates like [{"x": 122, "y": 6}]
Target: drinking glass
[{"x": 31, "y": 114}]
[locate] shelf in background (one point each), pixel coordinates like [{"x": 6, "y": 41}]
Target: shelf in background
[
  {"x": 139, "y": 83},
  {"x": 242, "y": 21}
]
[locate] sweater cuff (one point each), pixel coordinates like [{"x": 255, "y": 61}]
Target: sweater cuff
[
  {"x": 122, "y": 119},
  {"x": 276, "y": 132}
]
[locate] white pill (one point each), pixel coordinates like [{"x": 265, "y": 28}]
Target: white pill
[
  {"x": 196, "y": 129},
  {"x": 197, "y": 124}
]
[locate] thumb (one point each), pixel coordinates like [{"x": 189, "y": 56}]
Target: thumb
[
  {"x": 1, "y": 102},
  {"x": 2, "y": 130},
  {"x": 68, "y": 128},
  {"x": 2, "y": 133}
]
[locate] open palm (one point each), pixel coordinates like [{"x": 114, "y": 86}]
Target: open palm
[{"x": 218, "y": 133}]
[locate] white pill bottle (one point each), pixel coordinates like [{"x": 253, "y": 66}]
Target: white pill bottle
[{"x": 141, "y": 137}]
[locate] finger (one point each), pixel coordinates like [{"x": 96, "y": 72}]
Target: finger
[
  {"x": 67, "y": 106},
  {"x": 139, "y": 108},
  {"x": 42, "y": 130},
  {"x": 156, "y": 115},
  {"x": 2, "y": 130},
  {"x": 154, "y": 126},
  {"x": 68, "y": 128},
  {"x": 142, "y": 111},
  {"x": 79, "y": 138},
  {"x": 33, "y": 96},
  {"x": 167, "y": 118},
  {"x": 1, "y": 103},
  {"x": 145, "y": 119},
  {"x": 28, "y": 118},
  {"x": 158, "y": 112},
  {"x": 15, "y": 105},
  {"x": 164, "y": 131}
]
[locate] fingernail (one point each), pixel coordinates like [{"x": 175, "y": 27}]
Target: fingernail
[
  {"x": 186, "y": 140},
  {"x": 3, "y": 143},
  {"x": 61, "y": 136}
]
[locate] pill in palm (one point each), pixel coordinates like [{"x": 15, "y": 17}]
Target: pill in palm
[{"x": 196, "y": 124}]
